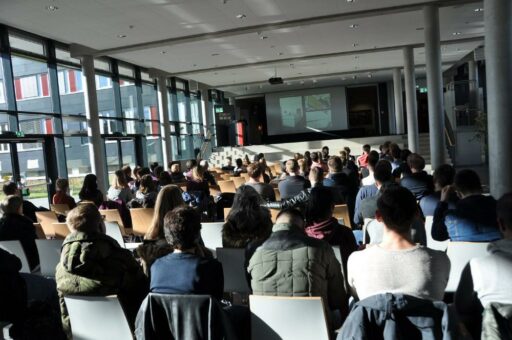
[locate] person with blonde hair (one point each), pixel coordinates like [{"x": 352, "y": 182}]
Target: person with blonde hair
[
  {"x": 198, "y": 183},
  {"x": 168, "y": 198},
  {"x": 119, "y": 190},
  {"x": 94, "y": 264}
]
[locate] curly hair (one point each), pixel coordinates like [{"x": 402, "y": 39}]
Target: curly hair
[{"x": 182, "y": 227}]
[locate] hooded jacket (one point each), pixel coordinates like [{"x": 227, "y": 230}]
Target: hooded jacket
[
  {"x": 289, "y": 263},
  {"x": 336, "y": 235},
  {"x": 94, "y": 264}
]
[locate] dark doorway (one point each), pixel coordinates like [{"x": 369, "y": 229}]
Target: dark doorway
[
  {"x": 363, "y": 108},
  {"x": 253, "y": 112}
]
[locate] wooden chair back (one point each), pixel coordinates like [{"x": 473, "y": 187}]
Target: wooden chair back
[
  {"x": 341, "y": 212},
  {"x": 141, "y": 220}
]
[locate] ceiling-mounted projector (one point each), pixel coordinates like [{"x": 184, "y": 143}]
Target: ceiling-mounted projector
[{"x": 275, "y": 80}]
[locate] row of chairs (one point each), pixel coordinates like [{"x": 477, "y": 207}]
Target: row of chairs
[{"x": 272, "y": 318}]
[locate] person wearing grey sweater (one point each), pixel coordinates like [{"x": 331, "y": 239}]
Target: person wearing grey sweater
[{"x": 397, "y": 265}]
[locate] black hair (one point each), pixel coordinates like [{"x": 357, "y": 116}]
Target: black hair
[
  {"x": 164, "y": 178},
  {"x": 398, "y": 208},
  {"x": 144, "y": 171},
  {"x": 367, "y": 148},
  {"x": 394, "y": 150},
  {"x": 415, "y": 161},
  {"x": 10, "y": 188},
  {"x": 89, "y": 187},
  {"x": 314, "y": 157},
  {"x": 444, "y": 175},
  {"x": 320, "y": 205},
  {"x": 247, "y": 215},
  {"x": 182, "y": 227},
  {"x": 467, "y": 181},
  {"x": 239, "y": 162},
  {"x": 373, "y": 158},
  {"x": 382, "y": 172},
  {"x": 190, "y": 164}
]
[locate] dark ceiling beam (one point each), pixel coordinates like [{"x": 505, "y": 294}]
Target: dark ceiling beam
[
  {"x": 322, "y": 56},
  {"x": 280, "y": 25}
]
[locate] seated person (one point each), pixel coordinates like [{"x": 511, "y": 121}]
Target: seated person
[
  {"x": 394, "y": 151},
  {"x": 266, "y": 191},
  {"x": 176, "y": 174},
  {"x": 299, "y": 201},
  {"x": 316, "y": 161},
  {"x": 397, "y": 265},
  {"x": 239, "y": 168},
  {"x": 119, "y": 190},
  {"x": 90, "y": 191},
  {"x": 338, "y": 180},
  {"x": 368, "y": 206},
  {"x": 418, "y": 181},
  {"x": 488, "y": 279},
  {"x": 189, "y": 165},
  {"x": 197, "y": 183},
  {"x": 184, "y": 271},
  {"x": 145, "y": 197},
  {"x": 362, "y": 161},
  {"x": 320, "y": 223},
  {"x": 373, "y": 159},
  {"x": 443, "y": 176},
  {"x": 325, "y": 154},
  {"x": 247, "y": 222},
  {"x": 29, "y": 209},
  {"x": 93, "y": 263},
  {"x": 474, "y": 217},
  {"x": 13, "y": 292},
  {"x": 207, "y": 174},
  {"x": 229, "y": 165},
  {"x": 62, "y": 194},
  {"x": 289, "y": 263},
  {"x": 293, "y": 184},
  {"x": 16, "y": 227}
]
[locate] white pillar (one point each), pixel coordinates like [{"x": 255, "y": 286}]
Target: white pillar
[
  {"x": 498, "y": 64},
  {"x": 165, "y": 127},
  {"x": 96, "y": 143},
  {"x": 434, "y": 85},
  {"x": 399, "y": 104},
  {"x": 410, "y": 100}
]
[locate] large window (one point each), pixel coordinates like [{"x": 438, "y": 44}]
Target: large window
[
  {"x": 71, "y": 90},
  {"x": 31, "y": 84}
]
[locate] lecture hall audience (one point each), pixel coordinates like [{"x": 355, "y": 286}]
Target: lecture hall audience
[{"x": 294, "y": 256}]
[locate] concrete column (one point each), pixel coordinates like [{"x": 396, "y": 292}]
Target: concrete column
[
  {"x": 96, "y": 143},
  {"x": 399, "y": 103},
  {"x": 473, "y": 84},
  {"x": 498, "y": 64},
  {"x": 410, "y": 100},
  {"x": 165, "y": 126},
  {"x": 434, "y": 85}
]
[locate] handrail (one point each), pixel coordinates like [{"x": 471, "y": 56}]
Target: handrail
[{"x": 448, "y": 131}]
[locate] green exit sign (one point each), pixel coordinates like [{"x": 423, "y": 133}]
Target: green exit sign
[
  {"x": 20, "y": 134},
  {"x": 423, "y": 90}
]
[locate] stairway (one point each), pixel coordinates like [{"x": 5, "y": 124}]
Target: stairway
[
  {"x": 218, "y": 157},
  {"x": 424, "y": 151}
]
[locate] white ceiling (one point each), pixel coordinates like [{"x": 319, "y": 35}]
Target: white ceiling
[{"x": 97, "y": 24}]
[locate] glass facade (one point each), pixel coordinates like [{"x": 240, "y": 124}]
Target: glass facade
[{"x": 42, "y": 115}]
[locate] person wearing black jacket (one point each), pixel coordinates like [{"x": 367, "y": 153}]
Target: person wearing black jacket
[
  {"x": 300, "y": 200},
  {"x": 13, "y": 292},
  {"x": 29, "y": 209},
  {"x": 418, "y": 182},
  {"x": 16, "y": 227}
]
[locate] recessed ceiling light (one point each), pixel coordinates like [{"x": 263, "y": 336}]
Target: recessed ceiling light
[
  {"x": 121, "y": 36},
  {"x": 214, "y": 54},
  {"x": 263, "y": 37},
  {"x": 51, "y": 8},
  {"x": 354, "y": 26},
  {"x": 163, "y": 52},
  {"x": 370, "y": 75},
  {"x": 280, "y": 53},
  {"x": 354, "y": 77},
  {"x": 456, "y": 33},
  {"x": 478, "y": 9},
  {"x": 241, "y": 16},
  {"x": 350, "y": 1},
  {"x": 355, "y": 44},
  {"x": 420, "y": 28}
]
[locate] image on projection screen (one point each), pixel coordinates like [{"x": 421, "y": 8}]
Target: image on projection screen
[
  {"x": 318, "y": 111},
  {"x": 291, "y": 111}
]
